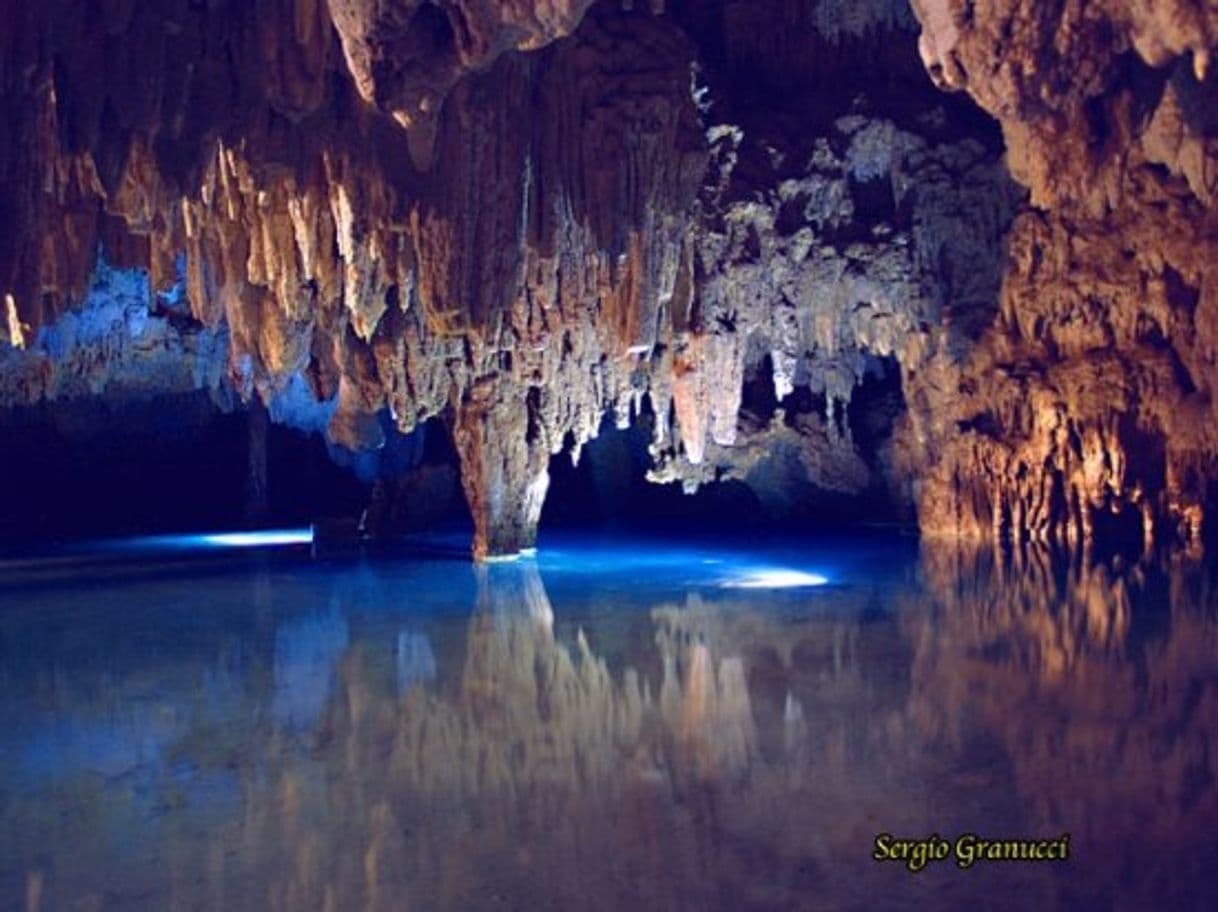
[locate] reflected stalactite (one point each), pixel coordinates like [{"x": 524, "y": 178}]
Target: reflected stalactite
[
  {"x": 1048, "y": 613},
  {"x": 533, "y": 732},
  {"x": 533, "y": 753},
  {"x": 1095, "y": 681},
  {"x": 690, "y": 751},
  {"x": 704, "y": 696}
]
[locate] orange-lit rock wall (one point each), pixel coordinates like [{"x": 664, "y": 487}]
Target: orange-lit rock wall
[{"x": 1091, "y": 395}]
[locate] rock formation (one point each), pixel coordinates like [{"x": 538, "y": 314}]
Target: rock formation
[
  {"x": 1091, "y": 394},
  {"x": 526, "y": 216}
]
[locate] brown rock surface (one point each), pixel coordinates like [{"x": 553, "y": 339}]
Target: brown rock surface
[
  {"x": 1088, "y": 404},
  {"x": 525, "y": 216}
]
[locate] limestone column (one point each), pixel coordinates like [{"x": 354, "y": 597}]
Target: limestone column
[{"x": 505, "y": 458}]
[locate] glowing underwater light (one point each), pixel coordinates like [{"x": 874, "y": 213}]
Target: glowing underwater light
[
  {"x": 259, "y": 539},
  {"x": 649, "y": 563},
  {"x": 775, "y": 579}
]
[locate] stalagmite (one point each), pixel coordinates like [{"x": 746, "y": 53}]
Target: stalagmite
[{"x": 504, "y": 466}]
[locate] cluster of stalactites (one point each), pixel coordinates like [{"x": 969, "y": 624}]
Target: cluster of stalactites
[
  {"x": 522, "y": 278},
  {"x": 1085, "y": 409}
]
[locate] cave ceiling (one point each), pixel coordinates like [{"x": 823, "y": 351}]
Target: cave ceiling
[{"x": 525, "y": 217}]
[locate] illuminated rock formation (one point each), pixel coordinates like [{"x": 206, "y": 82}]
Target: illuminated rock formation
[
  {"x": 527, "y": 216},
  {"x": 516, "y": 275},
  {"x": 1091, "y": 393},
  {"x": 119, "y": 347}
]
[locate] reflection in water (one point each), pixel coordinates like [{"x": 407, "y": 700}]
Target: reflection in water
[
  {"x": 307, "y": 653},
  {"x": 1101, "y": 687},
  {"x": 416, "y": 661},
  {"x": 418, "y": 736}
]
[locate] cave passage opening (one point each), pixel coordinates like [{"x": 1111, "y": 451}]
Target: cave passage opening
[
  {"x": 90, "y": 469},
  {"x": 773, "y": 491},
  {"x": 184, "y": 467},
  {"x": 608, "y": 489}
]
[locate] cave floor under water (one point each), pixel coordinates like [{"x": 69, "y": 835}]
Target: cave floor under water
[{"x": 611, "y": 724}]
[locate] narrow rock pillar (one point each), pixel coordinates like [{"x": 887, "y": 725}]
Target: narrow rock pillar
[{"x": 505, "y": 460}]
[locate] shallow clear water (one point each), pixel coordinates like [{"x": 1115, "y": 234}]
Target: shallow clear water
[{"x": 609, "y": 725}]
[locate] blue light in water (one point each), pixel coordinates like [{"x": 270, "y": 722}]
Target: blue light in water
[
  {"x": 774, "y": 579},
  {"x": 652, "y": 565},
  {"x": 200, "y": 541},
  {"x": 258, "y": 539}
]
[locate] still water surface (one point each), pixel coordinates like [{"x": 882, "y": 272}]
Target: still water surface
[{"x": 606, "y": 726}]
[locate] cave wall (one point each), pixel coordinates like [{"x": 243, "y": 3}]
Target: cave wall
[
  {"x": 523, "y": 217},
  {"x": 1088, "y": 403}
]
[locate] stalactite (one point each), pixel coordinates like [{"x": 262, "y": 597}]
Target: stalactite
[{"x": 402, "y": 203}]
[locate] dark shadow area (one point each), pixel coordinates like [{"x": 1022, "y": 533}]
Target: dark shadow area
[
  {"x": 415, "y": 481},
  {"x": 788, "y": 83},
  {"x": 172, "y": 464},
  {"x": 1118, "y": 532},
  {"x": 93, "y": 469},
  {"x": 608, "y": 490},
  {"x": 874, "y": 407}
]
